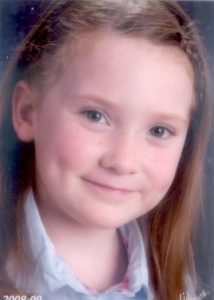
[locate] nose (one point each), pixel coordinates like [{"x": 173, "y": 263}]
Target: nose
[{"x": 123, "y": 155}]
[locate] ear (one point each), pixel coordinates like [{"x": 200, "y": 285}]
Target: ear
[{"x": 23, "y": 106}]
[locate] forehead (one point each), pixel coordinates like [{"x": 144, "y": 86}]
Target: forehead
[
  {"x": 132, "y": 59},
  {"x": 107, "y": 43}
]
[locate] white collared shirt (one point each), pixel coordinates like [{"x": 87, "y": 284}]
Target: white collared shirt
[{"x": 52, "y": 279}]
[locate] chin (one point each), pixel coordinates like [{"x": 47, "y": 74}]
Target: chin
[{"x": 108, "y": 222}]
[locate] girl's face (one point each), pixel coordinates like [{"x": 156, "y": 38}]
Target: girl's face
[{"x": 110, "y": 132}]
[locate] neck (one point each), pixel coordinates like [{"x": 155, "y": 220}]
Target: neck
[{"x": 82, "y": 248}]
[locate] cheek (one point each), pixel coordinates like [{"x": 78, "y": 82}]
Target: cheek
[
  {"x": 74, "y": 148},
  {"x": 164, "y": 169},
  {"x": 62, "y": 144}
]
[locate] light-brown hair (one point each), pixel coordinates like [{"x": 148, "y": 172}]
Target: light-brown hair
[{"x": 171, "y": 223}]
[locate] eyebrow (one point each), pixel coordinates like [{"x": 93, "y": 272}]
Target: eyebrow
[
  {"x": 173, "y": 117},
  {"x": 97, "y": 100}
]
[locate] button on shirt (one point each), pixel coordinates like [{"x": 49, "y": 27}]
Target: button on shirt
[{"x": 52, "y": 279}]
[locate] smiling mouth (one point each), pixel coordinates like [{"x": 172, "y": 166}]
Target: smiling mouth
[{"x": 109, "y": 188}]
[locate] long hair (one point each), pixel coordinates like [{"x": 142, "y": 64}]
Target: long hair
[{"x": 171, "y": 223}]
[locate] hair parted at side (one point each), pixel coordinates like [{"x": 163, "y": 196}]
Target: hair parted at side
[{"x": 171, "y": 223}]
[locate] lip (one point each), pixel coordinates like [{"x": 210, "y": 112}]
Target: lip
[{"x": 108, "y": 187}]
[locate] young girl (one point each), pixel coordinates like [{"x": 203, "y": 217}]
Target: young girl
[{"x": 104, "y": 118}]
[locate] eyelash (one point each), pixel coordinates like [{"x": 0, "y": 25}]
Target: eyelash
[
  {"x": 90, "y": 113},
  {"x": 164, "y": 134}
]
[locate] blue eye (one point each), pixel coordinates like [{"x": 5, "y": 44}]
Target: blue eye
[
  {"x": 95, "y": 116},
  {"x": 160, "y": 132}
]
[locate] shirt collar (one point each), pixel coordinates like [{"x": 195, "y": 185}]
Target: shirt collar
[{"x": 51, "y": 273}]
